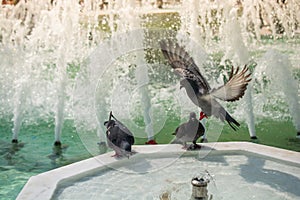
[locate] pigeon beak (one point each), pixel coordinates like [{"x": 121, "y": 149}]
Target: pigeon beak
[{"x": 202, "y": 115}]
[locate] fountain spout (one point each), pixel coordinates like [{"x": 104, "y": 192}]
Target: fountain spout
[{"x": 199, "y": 190}]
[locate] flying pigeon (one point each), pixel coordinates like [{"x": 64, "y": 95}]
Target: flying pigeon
[
  {"x": 119, "y": 138},
  {"x": 190, "y": 131},
  {"x": 197, "y": 87}
]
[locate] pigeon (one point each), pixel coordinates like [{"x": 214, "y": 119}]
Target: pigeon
[
  {"x": 197, "y": 87},
  {"x": 119, "y": 138},
  {"x": 189, "y": 131}
]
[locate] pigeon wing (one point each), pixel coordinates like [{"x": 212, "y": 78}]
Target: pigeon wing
[
  {"x": 179, "y": 132},
  {"x": 130, "y": 139},
  {"x": 235, "y": 87},
  {"x": 123, "y": 127},
  {"x": 112, "y": 137},
  {"x": 123, "y": 130},
  {"x": 184, "y": 65}
]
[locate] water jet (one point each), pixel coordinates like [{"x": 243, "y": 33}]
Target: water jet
[{"x": 61, "y": 65}]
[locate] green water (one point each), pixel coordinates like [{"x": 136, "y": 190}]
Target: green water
[{"x": 35, "y": 153}]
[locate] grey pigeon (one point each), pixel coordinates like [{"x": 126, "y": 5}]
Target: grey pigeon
[
  {"x": 190, "y": 131},
  {"x": 197, "y": 87},
  {"x": 119, "y": 138}
]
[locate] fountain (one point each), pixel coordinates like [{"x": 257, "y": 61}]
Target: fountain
[
  {"x": 54, "y": 64},
  {"x": 63, "y": 61},
  {"x": 199, "y": 190},
  {"x": 232, "y": 170},
  {"x": 42, "y": 69},
  {"x": 276, "y": 68}
]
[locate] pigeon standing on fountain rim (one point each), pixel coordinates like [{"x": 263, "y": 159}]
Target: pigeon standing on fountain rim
[
  {"x": 197, "y": 87},
  {"x": 119, "y": 138},
  {"x": 190, "y": 131}
]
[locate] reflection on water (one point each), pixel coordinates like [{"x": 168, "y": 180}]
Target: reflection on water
[
  {"x": 33, "y": 155},
  {"x": 258, "y": 170},
  {"x": 9, "y": 152},
  {"x": 57, "y": 155}
]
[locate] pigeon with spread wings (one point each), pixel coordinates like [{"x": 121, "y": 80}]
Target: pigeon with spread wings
[{"x": 197, "y": 87}]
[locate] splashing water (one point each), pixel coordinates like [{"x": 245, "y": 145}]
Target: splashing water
[
  {"x": 67, "y": 61},
  {"x": 47, "y": 59},
  {"x": 276, "y": 68},
  {"x": 41, "y": 43}
]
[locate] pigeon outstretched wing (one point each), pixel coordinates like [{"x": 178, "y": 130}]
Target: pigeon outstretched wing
[
  {"x": 184, "y": 65},
  {"x": 235, "y": 87}
]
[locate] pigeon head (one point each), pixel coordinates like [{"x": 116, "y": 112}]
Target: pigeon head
[
  {"x": 189, "y": 86},
  {"x": 192, "y": 116},
  {"x": 109, "y": 123},
  {"x": 183, "y": 83}
]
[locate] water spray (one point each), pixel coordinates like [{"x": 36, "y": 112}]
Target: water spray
[{"x": 141, "y": 75}]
